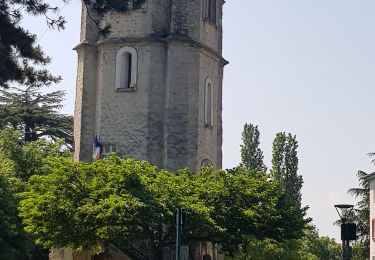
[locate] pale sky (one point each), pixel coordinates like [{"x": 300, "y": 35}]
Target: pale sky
[{"x": 300, "y": 66}]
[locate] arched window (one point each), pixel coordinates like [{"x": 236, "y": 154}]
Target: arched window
[
  {"x": 209, "y": 10},
  {"x": 208, "y": 103},
  {"x": 206, "y": 162},
  {"x": 126, "y": 69}
]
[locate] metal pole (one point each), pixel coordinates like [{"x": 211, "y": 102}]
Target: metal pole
[
  {"x": 346, "y": 250},
  {"x": 178, "y": 234}
]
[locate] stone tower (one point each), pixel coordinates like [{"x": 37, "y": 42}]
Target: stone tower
[{"x": 151, "y": 89}]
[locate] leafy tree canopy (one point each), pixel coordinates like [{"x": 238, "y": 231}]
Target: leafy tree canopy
[
  {"x": 122, "y": 200},
  {"x": 18, "y": 161},
  {"x": 309, "y": 247}
]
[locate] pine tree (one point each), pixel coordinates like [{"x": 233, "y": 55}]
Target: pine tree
[
  {"x": 251, "y": 154},
  {"x": 18, "y": 48},
  {"x": 27, "y": 109}
]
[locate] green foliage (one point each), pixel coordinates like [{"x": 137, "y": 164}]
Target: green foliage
[
  {"x": 28, "y": 158},
  {"x": 24, "y": 107},
  {"x": 285, "y": 167},
  {"x": 122, "y": 200},
  {"x": 284, "y": 171},
  {"x": 20, "y": 56},
  {"x": 310, "y": 247},
  {"x": 18, "y": 48},
  {"x": 360, "y": 215},
  {"x": 320, "y": 248},
  {"x": 11, "y": 236},
  {"x": 34, "y": 113},
  {"x": 18, "y": 161},
  {"x": 251, "y": 154}
]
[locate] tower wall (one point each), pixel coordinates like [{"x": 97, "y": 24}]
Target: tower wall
[{"x": 162, "y": 120}]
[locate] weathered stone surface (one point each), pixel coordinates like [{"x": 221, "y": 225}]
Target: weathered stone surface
[{"x": 162, "y": 121}]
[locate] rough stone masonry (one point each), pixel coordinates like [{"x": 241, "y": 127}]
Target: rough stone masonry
[{"x": 162, "y": 118}]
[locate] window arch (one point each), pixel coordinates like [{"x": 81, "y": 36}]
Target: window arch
[
  {"x": 208, "y": 103},
  {"x": 206, "y": 162},
  {"x": 126, "y": 68}
]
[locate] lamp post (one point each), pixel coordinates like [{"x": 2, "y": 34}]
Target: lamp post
[
  {"x": 181, "y": 216},
  {"x": 348, "y": 230}
]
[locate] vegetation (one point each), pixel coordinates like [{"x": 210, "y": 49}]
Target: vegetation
[
  {"x": 18, "y": 47},
  {"x": 20, "y": 55},
  {"x": 18, "y": 161},
  {"x": 122, "y": 200},
  {"x": 251, "y": 154},
  {"x": 310, "y": 247},
  {"x": 360, "y": 215},
  {"x": 284, "y": 172},
  {"x": 34, "y": 113},
  {"x": 289, "y": 183}
]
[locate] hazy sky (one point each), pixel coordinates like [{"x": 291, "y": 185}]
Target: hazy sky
[{"x": 300, "y": 66}]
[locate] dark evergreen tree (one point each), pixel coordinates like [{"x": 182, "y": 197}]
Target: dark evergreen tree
[
  {"x": 18, "y": 48},
  {"x": 251, "y": 154},
  {"x": 27, "y": 109}
]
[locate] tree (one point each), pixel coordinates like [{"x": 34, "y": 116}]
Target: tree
[
  {"x": 34, "y": 113},
  {"x": 285, "y": 167},
  {"x": 120, "y": 201},
  {"x": 18, "y": 48},
  {"x": 251, "y": 154},
  {"x": 319, "y": 248},
  {"x": 360, "y": 214},
  {"x": 18, "y": 161},
  {"x": 284, "y": 171},
  {"x": 310, "y": 247}
]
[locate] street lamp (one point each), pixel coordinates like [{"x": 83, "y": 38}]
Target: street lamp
[
  {"x": 181, "y": 216},
  {"x": 348, "y": 230}
]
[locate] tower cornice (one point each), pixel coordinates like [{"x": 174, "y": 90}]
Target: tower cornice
[{"x": 169, "y": 40}]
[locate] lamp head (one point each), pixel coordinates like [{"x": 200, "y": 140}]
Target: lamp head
[{"x": 344, "y": 211}]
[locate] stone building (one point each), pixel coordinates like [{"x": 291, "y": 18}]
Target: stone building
[{"x": 151, "y": 89}]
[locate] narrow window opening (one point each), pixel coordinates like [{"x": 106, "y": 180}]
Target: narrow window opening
[
  {"x": 126, "y": 69},
  {"x": 128, "y": 83},
  {"x": 208, "y": 104},
  {"x": 209, "y": 10},
  {"x": 206, "y": 6}
]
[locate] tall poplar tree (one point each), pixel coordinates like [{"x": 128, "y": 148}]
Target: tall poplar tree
[
  {"x": 284, "y": 171},
  {"x": 251, "y": 154},
  {"x": 285, "y": 167}
]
